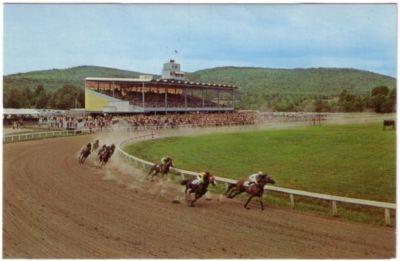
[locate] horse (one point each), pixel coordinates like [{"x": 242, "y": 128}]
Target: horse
[
  {"x": 160, "y": 168},
  {"x": 101, "y": 150},
  {"x": 105, "y": 155},
  {"x": 85, "y": 152},
  {"x": 199, "y": 189},
  {"x": 112, "y": 149},
  {"x": 253, "y": 190},
  {"x": 389, "y": 123}
]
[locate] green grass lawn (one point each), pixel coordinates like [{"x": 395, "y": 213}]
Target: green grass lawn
[{"x": 346, "y": 160}]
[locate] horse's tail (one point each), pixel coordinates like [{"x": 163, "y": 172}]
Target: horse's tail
[{"x": 183, "y": 182}]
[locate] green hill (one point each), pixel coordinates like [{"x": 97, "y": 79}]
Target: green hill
[
  {"x": 56, "y": 78},
  {"x": 265, "y": 88},
  {"x": 311, "y": 81}
]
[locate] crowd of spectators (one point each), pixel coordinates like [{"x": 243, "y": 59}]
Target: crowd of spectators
[
  {"x": 157, "y": 100},
  {"x": 142, "y": 121},
  {"x": 189, "y": 120},
  {"x": 75, "y": 123}
]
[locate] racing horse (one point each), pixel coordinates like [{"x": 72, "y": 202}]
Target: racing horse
[
  {"x": 101, "y": 150},
  {"x": 160, "y": 168},
  {"x": 105, "y": 154},
  {"x": 254, "y": 190},
  {"x": 198, "y": 189},
  {"x": 85, "y": 152}
]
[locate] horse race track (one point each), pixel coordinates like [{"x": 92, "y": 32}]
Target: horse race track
[{"x": 55, "y": 208}]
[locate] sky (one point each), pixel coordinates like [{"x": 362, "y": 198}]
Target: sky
[{"x": 141, "y": 37}]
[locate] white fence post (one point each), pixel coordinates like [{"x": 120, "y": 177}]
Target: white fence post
[
  {"x": 291, "y": 200},
  {"x": 387, "y": 217},
  {"x": 334, "y": 208}
]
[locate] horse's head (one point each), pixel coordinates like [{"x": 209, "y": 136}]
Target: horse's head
[
  {"x": 210, "y": 178},
  {"x": 169, "y": 161},
  {"x": 265, "y": 179}
]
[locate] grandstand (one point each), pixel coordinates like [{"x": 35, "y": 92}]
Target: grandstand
[{"x": 170, "y": 93}]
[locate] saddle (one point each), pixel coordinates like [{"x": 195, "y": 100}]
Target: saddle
[{"x": 196, "y": 182}]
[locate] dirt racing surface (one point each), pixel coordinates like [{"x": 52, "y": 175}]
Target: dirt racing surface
[{"x": 56, "y": 208}]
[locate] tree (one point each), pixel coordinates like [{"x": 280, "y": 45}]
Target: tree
[
  {"x": 359, "y": 104},
  {"x": 347, "y": 101},
  {"x": 64, "y": 98},
  {"x": 381, "y": 101},
  {"x": 380, "y": 90},
  {"x": 321, "y": 105},
  {"x": 27, "y": 97},
  {"x": 13, "y": 99},
  {"x": 41, "y": 97},
  {"x": 39, "y": 89},
  {"x": 391, "y": 101}
]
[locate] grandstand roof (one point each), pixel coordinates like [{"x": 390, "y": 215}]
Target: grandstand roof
[
  {"x": 183, "y": 83},
  {"x": 116, "y": 79}
]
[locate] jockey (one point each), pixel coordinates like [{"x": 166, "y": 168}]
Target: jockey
[
  {"x": 253, "y": 178},
  {"x": 165, "y": 160},
  {"x": 102, "y": 149},
  {"x": 200, "y": 178}
]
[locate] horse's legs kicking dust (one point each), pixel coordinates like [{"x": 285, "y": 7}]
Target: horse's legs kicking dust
[
  {"x": 151, "y": 170},
  {"x": 261, "y": 202},
  {"x": 234, "y": 193},
  {"x": 154, "y": 174},
  {"x": 245, "y": 205},
  {"x": 231, "y": 186},
  {"x": 195, "y": 199}
]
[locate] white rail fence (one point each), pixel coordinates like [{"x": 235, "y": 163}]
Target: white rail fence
[
  {"x": 291, "y": 192},
  {"x": 59, "y": 133},
  {"x": 45, "y": 134}
]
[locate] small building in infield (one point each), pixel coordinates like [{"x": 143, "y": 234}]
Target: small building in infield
[{"x": 146, "y": 94}]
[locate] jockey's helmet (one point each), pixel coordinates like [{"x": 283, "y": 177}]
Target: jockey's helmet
[{"x": 260, "y": 173}]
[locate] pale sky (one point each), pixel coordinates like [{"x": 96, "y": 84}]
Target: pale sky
[{"x": 140, "y": 37}]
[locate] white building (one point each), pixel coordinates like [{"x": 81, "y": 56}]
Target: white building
[{"x": 172, "y": 70}]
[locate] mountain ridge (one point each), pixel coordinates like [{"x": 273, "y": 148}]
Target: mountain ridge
[{"x": 255, "y": 85}]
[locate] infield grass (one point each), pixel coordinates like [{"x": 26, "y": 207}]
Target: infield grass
[{"x": 346, "y": 160}]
